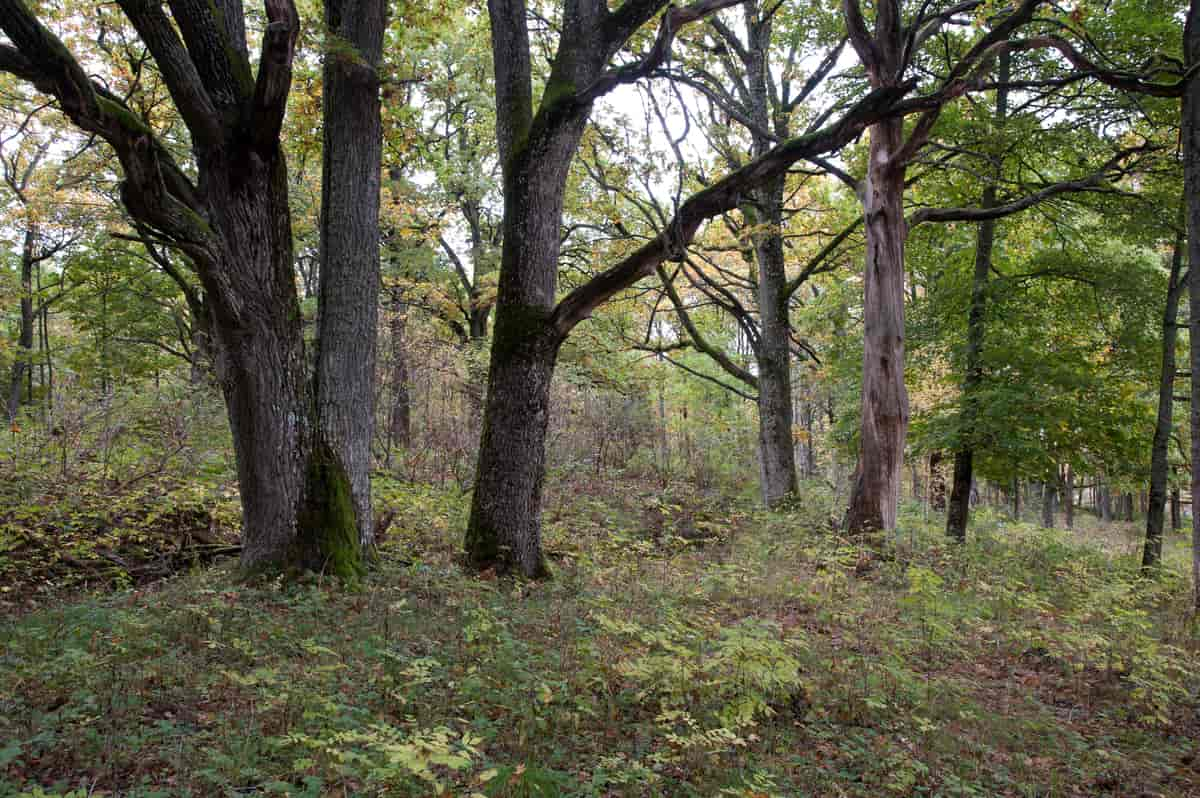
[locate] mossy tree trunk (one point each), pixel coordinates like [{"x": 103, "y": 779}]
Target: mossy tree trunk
[
  {"x": 349, "y": 284},
  {"x": 228, "y": 215}
]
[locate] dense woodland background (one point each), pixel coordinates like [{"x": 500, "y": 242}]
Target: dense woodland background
[{"x": 738, "y": 398}]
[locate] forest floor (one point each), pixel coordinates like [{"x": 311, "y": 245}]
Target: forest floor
[{"x": 689, "y": 645}]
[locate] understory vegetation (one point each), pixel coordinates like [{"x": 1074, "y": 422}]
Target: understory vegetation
[
  {"x": 689, "y": 644},
  {"x": 600, "y": 398}
]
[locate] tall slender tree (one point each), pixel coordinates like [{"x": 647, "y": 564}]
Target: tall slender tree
[
  {"x": 537, "y": 144},
  {"x": 349, "y": 286},
  {"x": 1159, "y": 465}
]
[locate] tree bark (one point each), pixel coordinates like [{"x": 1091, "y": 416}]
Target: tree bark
[
  {"x": 504, "y": 529},
  {"x": 1190, "y": 143},
  {"x": 875, "y": 492},
  {"x": 1068, "y": 494},
  {"x": 937, "y": 482},
  {"x": 876, "y": 488},
  {"x": 985, "y": 240},
  {"x": 1159, "y": 465},
  {"x": 349, "y": 284},
  {"x": 1047, "y": 505},
  {"x": 23, "y": 357},
  {"x": 400, "y": 415},
  {"x": 233, "y": 223},
  {"x": 777, "y": 453}
]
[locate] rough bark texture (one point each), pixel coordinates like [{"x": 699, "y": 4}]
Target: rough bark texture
[
  {"x": 1159, "y": 465},
  {"x": 875, "y": 494},
  {"x": 776, "y": 448},
  {"x": 937, "y": 482},
  {"x": 504, "y": 529},
  {"x": 233, "y": 225},
  {"x": 1190, "y": 143},
  {"x": 349, "y": 285},
  {"x": 876, "y": 491}
]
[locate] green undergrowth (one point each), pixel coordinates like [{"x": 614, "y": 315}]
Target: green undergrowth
[{"x": 689, "y": 645}]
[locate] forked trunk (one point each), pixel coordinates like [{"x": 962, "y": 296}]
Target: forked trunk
[
  {"x": 504, "y": 530},
  {"x": 296, "y": 505}
]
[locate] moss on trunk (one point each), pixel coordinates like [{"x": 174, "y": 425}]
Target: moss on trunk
[{"x": 327, "y": 539}]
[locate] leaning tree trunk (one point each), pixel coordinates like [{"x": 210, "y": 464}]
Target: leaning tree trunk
[
  {"x": 349, "y": 284},
  {"x": 1190, "y": 141},
  {"x": 1159, "y": 466},
  {"x": 876, "y": 490}
]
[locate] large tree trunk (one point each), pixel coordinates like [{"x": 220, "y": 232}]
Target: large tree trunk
[
  {"x": 349, "y": 285},
  {"x": 1159, "y": 465},
  {"x": 504, "y": 530},
  {"x": 876, "y": 490},
  {"x": 260, "y": 361},
  {"x": 1190, "y": 135},
  {"x": 233, "y": 222}
]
